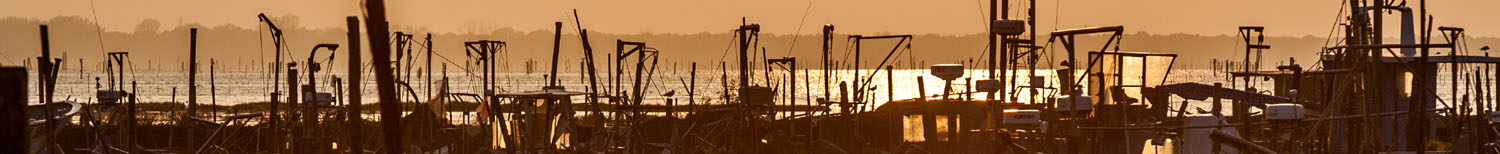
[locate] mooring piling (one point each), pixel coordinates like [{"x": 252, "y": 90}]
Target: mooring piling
[{"x": 356, "y": 121}]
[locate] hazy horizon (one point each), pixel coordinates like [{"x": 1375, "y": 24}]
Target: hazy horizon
[
  {"x": 1199, "y": 31},
  {"x": 1281, "y": 17}
]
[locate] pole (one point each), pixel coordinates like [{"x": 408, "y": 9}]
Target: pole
[
  {"x": 429, "y": 63},
  {"x": 44, "y": 68},
  {"x": 213, "y": 98},
  {"x": 1417, "y": 134},
  {"x": 827, "y": 71},
  {"x": 356, "y": 120},
  {"x": 588, "y": 55},
  {"x": 192, "y": 108},
  {"x": 744, "y": 41},
  {"x": 46, "y": 79},
  {"x": 858, "y": 90},
  {"x": 130, "y": 122},
  {"x": 275, "y": 118},
  {"x": 921, "y": 89},
  {"x": 309, "y": 105},
  {"x": 724, "y": 80},
  {"x": 556, "y": 49},
  {"x": 692, "y": 85},
  {"x": 293, "y": 95},
  {"x": 385, "y": 83},
  {"x": 992, "y": 48}
]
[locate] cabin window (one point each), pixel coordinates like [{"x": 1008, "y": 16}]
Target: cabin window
[
  {"x": 941, "y": 126},
  {"x": 911, "y": 129},
  {"x": 1406, "y": 84}
]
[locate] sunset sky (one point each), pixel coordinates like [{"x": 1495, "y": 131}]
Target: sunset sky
[{"x": 1206, "y": 17}]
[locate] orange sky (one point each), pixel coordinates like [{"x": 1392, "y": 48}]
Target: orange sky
[{"x": 1209, "y": 17}]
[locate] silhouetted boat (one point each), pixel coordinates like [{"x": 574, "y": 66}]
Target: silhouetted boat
[{"x": 36, "y": 122}]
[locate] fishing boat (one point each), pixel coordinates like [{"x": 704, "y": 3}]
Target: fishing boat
[{"x": 44, "y": 123}]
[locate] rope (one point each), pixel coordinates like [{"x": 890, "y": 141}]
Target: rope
[
  {"x": 1332, "y": 30},
  {"x": 799, "y": 29},
  {"x": 99, "y": 29}
]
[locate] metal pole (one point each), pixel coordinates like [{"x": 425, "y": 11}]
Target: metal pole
[
  {"x": 994, "y": 49},
  {"x": 275, "y": 118},
  {"x": 744, "y": 41}
]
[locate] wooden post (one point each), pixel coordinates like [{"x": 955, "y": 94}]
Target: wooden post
[
  {"x": 131, "y": 120},
  {"x": 1217, "y": 109},
  {"x": 192, "y": 106},
  {"x": 44, "y": 68},
  {"x": 355, "y": 119},
  {"x": 385, "y": 83},
  {"x": 556, "y": 50},
  {"x": 588, "y": 55},
  {"x": 192, "y": 97},
  {"x": 293, "y": 94},
  {"x": 807, "y": 95},
  {"x": 692, "y": 85},
  {"x": 844, "y": 98},
  {"x": 429, "y": 60},
  {"x": 890, "y": 84},
  {"x": 827, "y": 66},
  {"x": 292, "y": 100},
  {"x": 13, "y": 137},
  {"x": 213, "y": 97},
  {"x": 1453, "y": 91},
  {"x": 1416, "y": 132},
  {"x": 309, "y": 111},
  {"x": 921, "y": 89},
  {"x": 46, "y": 78},
  {"x": 724, "y": 80},
  {"x": 968, "y": 89}
]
